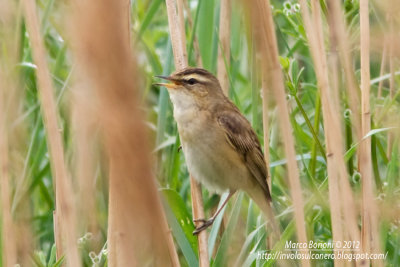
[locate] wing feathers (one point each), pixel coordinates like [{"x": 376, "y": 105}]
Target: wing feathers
[{"x": 243, "y": 139}]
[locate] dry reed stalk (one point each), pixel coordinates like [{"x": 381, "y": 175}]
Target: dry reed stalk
[
  {"x": 85, "y": 130},
  {"x": 391, "y": 56},
  {"x": 338, "y": 29},
  {"x": 170, "y": 242},
  {"x": 265, "y": 96},
  {"x": 339, "y": 40},
  {"x": 176, "y": 26},
  {"x": 334, "y": 187},
  {"x": 65, "y": 210},
  {"x": 15, "y": 231},
  {"x": 196, "y": 45},
  {"x": 391, "y": 80},
  {"x": 383, "y": 65},
  {"x": 15, "y": 137},
  {"x": 175, "y": 23},
  {"x": 198, "y": 212},
  {"x": 181, "y": 23},
  {"x": 8, "y": 228},
  {"x": 225, "y": 44},
  {"x": 334, "y": 184},
  {"x": 137, "y": 231},
  {"x": 262, "y": 20},
  {"x": 370, "y": 233},
  {"x": 9, "y": 244},
  {"x": 333, "y": 135}
]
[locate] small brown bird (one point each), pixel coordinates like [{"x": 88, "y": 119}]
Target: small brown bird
[{"x": 220, "y": 147}]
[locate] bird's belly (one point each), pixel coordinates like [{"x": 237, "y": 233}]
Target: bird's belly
[{"x": 214, "y": 163}]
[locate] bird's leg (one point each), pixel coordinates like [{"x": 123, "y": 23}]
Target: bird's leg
[{"x": 206, "y": 223}]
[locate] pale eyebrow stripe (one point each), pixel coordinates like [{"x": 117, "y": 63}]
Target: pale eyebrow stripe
[{"x": 196, "y": 76}]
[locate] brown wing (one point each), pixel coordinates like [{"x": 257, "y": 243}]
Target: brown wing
[{"x": 243, "y": 139}]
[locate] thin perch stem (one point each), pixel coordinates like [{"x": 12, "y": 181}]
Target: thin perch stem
[{"x": 176, "y": 27}]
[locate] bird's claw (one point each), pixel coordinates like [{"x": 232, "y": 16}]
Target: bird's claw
[{"x": 204, "y": 225}]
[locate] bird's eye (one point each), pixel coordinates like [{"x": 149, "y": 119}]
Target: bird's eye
[{"x": 192, "y": 81}]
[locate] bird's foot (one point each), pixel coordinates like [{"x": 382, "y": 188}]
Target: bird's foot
[{"x": 204, "y": 225}]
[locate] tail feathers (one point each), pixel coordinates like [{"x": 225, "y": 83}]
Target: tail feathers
[{"x": 264, "y": 204}]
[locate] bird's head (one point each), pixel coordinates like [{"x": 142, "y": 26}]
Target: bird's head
[{"x": 192, "y": 85}]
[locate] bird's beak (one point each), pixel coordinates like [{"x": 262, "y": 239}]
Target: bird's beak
[{"x": 173, "y": 85}]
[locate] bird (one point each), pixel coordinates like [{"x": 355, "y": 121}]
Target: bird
[{"x": 221, "y": 149}]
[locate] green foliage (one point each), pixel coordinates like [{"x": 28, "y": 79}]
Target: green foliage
[{"x": 244, "y": 228}]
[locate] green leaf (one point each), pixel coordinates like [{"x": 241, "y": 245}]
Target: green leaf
[
  {"x": 246, "y": 245},
  {"x": 150, "y": 12},
  {"x": 170, "y": 141},
  {"x": 220, "y": 258},
  {"x": 182, "y": 226},
  {"x": 207, "y": 33},
  {"x": 216, "y": 225},
  {"x": 53, "y": 254},
  {"x": 59, "y": 262},
  {"x": 349, "y": 153}
]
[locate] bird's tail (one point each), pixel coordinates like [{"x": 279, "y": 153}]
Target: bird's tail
[{"x": 265, "y": 204}]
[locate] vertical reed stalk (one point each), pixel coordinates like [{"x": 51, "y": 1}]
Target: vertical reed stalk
[
  {"x": 391, "y": 80},
  {"x": 338, "y": 32},
  {"x": 196, "y": 46},
  {"x": 265, "y": 98},
  {"x": 370, "y": 233},
  {"x": 267, "y": 45},
  {"x": 383, "y": 65},
  {"x": 365, "y": 160},
  {"x": 85, "y": 131},
  {"x": 7, "y": 57},
  {"x": 65, "y": 219},
  {"x": 16, "y": 232},
  {"x": 176, "y": 28},
  {"x": 225, "y": 44},
  {"x": 338, "y": 182},
  {"x": 336, "y": 214},
  {"x": 137, "y": 230},
  {"x": 391, "y": 56},
  {"x": 9, "y": 245}
]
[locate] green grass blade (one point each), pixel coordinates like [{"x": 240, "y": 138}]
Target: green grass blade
[
  {"x": 216, "y": 225},
  {"x": 220, "y": 257}
]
